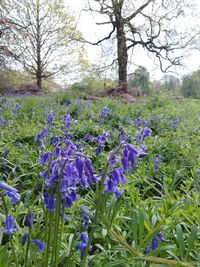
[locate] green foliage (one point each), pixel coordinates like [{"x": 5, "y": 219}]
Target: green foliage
[
  {"x": 91, "y": 84},
  {"x": 191, "y": 85},
  {"x": 154, "y": 201},
  {"x": 140, "y": 79}
]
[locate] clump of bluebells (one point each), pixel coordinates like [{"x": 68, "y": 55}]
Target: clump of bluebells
[{"x": 67, "y": 169}]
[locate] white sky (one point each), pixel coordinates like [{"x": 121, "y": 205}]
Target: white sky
[{"x": 92, "y": 32}]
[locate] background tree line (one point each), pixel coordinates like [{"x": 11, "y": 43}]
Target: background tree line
[{"x": 39, "y": 40}]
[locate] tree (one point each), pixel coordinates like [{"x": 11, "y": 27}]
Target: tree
[
  {"x": 147, "y": 24},
  {"x": 140, "y": 78},
  {"x": 170, "y": 82},
  {"x": 191, "y": 85},
  {"x": 44, "y": 43}
]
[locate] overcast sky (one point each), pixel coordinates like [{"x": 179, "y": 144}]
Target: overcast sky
[{"x": 86, "y": 23}]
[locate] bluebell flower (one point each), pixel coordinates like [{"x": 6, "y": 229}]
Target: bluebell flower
[
  {"x": 5, "y": 154},
  {"x": 175, "y": 124},
  {"x": 24, "y": 238},
  {"x": 146, "y": 132},
  {"x": 105, "y": 112},
  {"x": 147, "y": 249},
  {"x": 10, "y": 225},
  {"x": 154, "y": 243},
  {"x": 161, "y": 237},
  {"x": 113, "y": 161},
  {"x": 49, "y": 202},
  {"x": 41, "y": 246},
  {"x": 14, "y": 197},
  {"x": 40, "y": 137},
  {"x": 139, "y": 152},
  {"x": 88, "y": 137},
  {"x": 83, "y": 244},
  {"x": 85, "y": 217},
  {"x": 45, "y": 158},
  {"x": 68, "y": 120},
  {"x": 55, "y": 140},
  {"x": 11, "y": 192},
  {"x": 16, "y": 109},
  {"x": 7, "y": 187},
  {"x": 158, "y": 160},
  {"x": 49, "y": 120},
  {"x": 30, "y": 219},
  {"x": 44, "y": 174}
]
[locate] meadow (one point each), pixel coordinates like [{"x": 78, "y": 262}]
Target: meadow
[{"x": 100, "y": 183}]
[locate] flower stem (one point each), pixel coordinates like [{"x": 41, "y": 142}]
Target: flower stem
[
  {"x": 99, "y": 192},
  {"x": 13, "y": 251},
  {"x": 27, "y": 249}
]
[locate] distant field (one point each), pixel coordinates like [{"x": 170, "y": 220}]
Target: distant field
[{"x": 137, "y": 206}]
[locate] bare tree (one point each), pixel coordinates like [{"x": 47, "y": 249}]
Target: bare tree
[
  {"x": 152, "y": 24},
  {"x": 45, "y": 39}
]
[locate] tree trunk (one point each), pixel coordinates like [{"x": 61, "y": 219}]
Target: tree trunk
[
  {"x": 39, "y": 81},
  {"x": 122, "y": 54},
  {"x": 38, "y": 40},
  {"x": 122, "y": 58}
]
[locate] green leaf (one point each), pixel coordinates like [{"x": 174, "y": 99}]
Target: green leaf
[
  {"x": 135, "y": 227},
  {"x": 141, "y": 226},
  {"x": 191, "y": 240},
  {"x": 116, "y": 263},
  {"x": 179, "y": 234}
]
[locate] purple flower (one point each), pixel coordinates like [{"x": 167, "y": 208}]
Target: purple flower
[
  {"x": 5, "y": 154},
  {"x": 86, "y": 218},
  {"x": 45, "y": 158},
  {"x": 44, "y": 174},
  {"x": 147, "y": 249},
  {"x": 146, "y": 132},
  {"x": 7, "y": 187},
  {"x": 139, "y": 152},
  {"x": 49, "y": 120},
  {"x": 10, "y": 225},
  {"x": 55, "y": 140},
  {"x": 154, "y": 243},
  {"x": 158, "y": 160},
  {"x": 41, "y": 246},
  {"x": 113, "y": 161},
  {"x": 30, "y": 219},
  {"x": 105, "y": 112},
  {"x": 11, "y": 192},
  {"x": 83, "y": 244},
  {"x": 24, "y": 238},
  {"x": 88, "y": 137},
  {"x": 40, "y": 137},
  {"x": 14, "y": 197},
  {"x": 161, "y": 236},
  {"x": 49, "y": 202},
  {"x": 68, "y": 120}
]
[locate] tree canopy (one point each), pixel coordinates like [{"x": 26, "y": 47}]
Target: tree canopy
[
  {"x": 151, "y": 24},
  {"x": 43, "y": 39}
]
